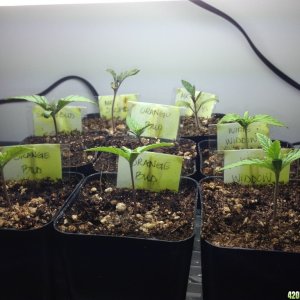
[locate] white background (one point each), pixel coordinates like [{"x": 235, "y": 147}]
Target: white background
[{"x": 168, "y": 41}]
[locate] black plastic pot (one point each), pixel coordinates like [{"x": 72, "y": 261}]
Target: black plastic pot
[
  {"x": 124, "y": 268},
  {"x": 248, "y": 274},
  {"x": 27, "y": 259}
]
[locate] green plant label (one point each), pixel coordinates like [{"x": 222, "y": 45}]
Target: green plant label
[
  {"x": 152, "y": 171},
  {"x": 68, "y": 119},
  {"x": 43, "y": 161},
  {"x": 121, "y": 105},
  {"x": 206, "y": 109},
  {"x": 249, "y": 175},
  {"x": 164, "y": 119},
  {"x": 231, "y": 136}
]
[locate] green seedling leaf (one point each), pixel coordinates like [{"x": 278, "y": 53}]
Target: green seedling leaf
[
  {"x": 129, "y": 154},
  {"x": 115, "y": 85},
  {"x": 136, "y": 128},
  {"x": 274, "y": 160},
  {"x": 51, "y": 109},
  {"x": 189, "y": 87},
  {"x": 246, "y": 120}
]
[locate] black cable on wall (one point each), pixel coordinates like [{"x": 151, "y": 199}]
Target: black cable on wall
[{"x": 270, "y": 65}]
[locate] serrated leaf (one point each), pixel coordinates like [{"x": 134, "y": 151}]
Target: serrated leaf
[
  {"x": 248, "y": 162},
  {"x": 113, "y": 73},
  {"x": 185, "y": 104},
  {"x": 267, "y": 120},
  {"x": 152, "y": 146},
  {"x": 290, "y": 157},
  {"x": 110, "y": 149},
  {"x": 274, "y": 151},
  {"x": 61, "y": 103},
  {"x": 39, "y": 100},
  {"x": 229, "y": 118},
  {"x": 9, "y": 153},
  {"x": 264, "y": 141},
  {"x": 189, "y": 87},
  {"x": 200, "y": 104}
]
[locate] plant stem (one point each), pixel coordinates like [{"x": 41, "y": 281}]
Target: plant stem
[
  {"x": 275, "y": 195},
  {"x": 132, "y": 179},
  {"x": 55, "y": 125},
  {"x": 112, "y": 110},
  {"x": 246, "y": 137},
  {"x": 6, "y": 197},
  {"x": 196, "y": 115}
]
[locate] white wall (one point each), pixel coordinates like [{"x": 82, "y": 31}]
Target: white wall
[{"x": 168, "y": 41}]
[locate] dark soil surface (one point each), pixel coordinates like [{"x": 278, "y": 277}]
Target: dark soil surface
[
  {"x": 106, "y": 210},
  {"x": 187, "y": 126},
  {"x": 73, "y": 154},
  {"x": 241, "y": 216},
  {"x": 33, "y": 203},
  {"x": 184, "y": 147},
  {"x": 93, "y": 122}
]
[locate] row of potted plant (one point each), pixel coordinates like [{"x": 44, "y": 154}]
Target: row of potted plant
[{"x": 92, "y": 245}]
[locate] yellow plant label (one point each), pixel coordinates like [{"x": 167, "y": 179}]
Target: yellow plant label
[
  {"x": 231, "y": 136},
  {"x": 68, "y": 119},
  {"x": 120, "y": 108},
  {"x": 152, "y": 171},
  {"x": 248, "y": 175},
  {"x": 43, "y": 161},
  {"x": 206, "y": 109},
  {"x": 164, "y": 119}
]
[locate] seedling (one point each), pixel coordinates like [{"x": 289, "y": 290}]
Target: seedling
[
  {"x": 196, "y": 103},
  {"x": 246, "y": 120},
  {"x": 5, "y": 156},
  {"x": 115, "y": 85},
  {"x": 135, "y": 128},
  {"x": 129, "y": 154},
  {"x": 274, "y": 160},
  {"x": 51, "y": 109}
]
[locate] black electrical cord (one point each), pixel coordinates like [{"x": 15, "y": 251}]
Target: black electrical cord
[
  {"x": 57, "y": 83},
  {"x": 273, "y": 68}
]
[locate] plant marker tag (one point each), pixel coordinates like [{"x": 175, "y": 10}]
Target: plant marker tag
[
  {"x": 152, "y": 171},
  {"x": 43, "y": 161},
  {"x": 68, "y": 119},
  {"x": 248, "y": 175},
  {"x": 121, "y": 105},
  {"x": 205, "y": 111},
  {"x": 231, "y": 136},
  {"x": 164, "y": 119}
]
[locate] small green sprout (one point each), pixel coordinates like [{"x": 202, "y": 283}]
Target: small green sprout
[
  {"x": 246, "y": 120},
  {"x": 115, "y": 85},
  {"x": 7, "y": 155},
  {"x": 129, "y": 154},
  {"x": 51, "y": 109},
  {"x": 274, "y": 160},
  {"x": 135, "y": 128},
  {"x": 196, "y": 103}
]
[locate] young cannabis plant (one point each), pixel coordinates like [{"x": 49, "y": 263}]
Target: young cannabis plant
[
  {"x": 129, "y": 154},
  {"x": 246, "y": 120},
  {"x": 115, "y": 85},
  {"x": 135, "y": 128},
  {"x": 196, "y": 103},
  {"x": 274, "y": 160},
  {"x": 5, "y": 156},
  {"x": 51, "y": 109}
]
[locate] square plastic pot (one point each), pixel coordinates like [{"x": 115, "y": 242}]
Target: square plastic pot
[
  {"x": 125, "y": 268},
  {"x": 248, "y": 274},
  {"x": 27, "y": 258}
]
